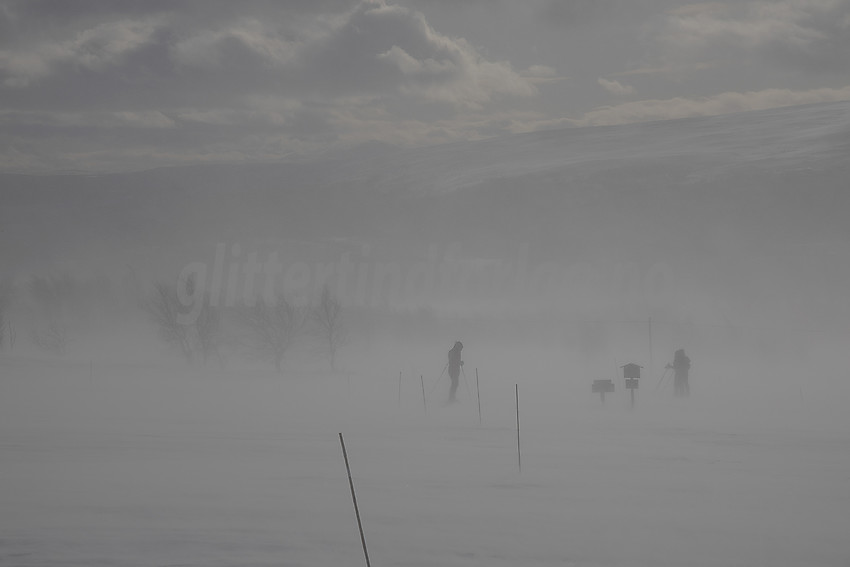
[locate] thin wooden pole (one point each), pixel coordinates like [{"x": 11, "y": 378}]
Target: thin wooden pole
[
  {"x": 650, "y": 347},
  {"x": 424, "y": 404},
  {"x": 354, "y": 499},
  {"x": 518, "y": 451},
  {"x": 478, "y": 393}
]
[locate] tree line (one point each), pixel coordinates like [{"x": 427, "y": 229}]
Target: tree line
[
  {"x": 57, "y": 309},
  {"x": 266, "y": 329}
]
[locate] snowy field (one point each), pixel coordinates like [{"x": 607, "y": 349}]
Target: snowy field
[
  {"x": 231, "y": 235},
  {"x": 111, "y": 463}
]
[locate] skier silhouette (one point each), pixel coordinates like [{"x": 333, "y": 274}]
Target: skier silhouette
[
  {"x": 454, "y": 368},
  {"x": 681, "y": 365}
]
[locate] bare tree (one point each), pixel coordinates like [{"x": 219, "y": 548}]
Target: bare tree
[
  {"x": 60, "y": 300},
  {"x": 180, "y": 326},
  {"x": 163, "y": 306},
  {"x": 55, "y": 295},
  {"x": 273, "y": 327},
  {"x": 207, "y": 328},
  {"x": 327, "y": 316},
  {"x": 54, "y": 338}
]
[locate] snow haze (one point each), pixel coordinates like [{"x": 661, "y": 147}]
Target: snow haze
[{"x": 229, "y": 233}]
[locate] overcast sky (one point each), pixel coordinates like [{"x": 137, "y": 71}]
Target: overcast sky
[{"x": 108, "y": 85}]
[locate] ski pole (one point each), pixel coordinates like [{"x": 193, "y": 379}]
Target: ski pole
[
  {"x": 438, "y": 379},
  {"x": 662, "y": 380}
]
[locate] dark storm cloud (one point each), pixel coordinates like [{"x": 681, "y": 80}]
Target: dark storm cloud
[
  {"x": 212, "y": 78},
  {"x": 292, "y": 66},
  {"x": 390, "y": 47},
  {"x": 159, "y": 59}
]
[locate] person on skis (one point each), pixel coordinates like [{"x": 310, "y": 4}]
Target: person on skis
[
  {"x": 454, "y": 368},
  {"x": 681, "y": 365}
]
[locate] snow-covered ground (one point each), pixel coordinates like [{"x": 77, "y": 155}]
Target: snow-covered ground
[{"x": 112, "y": 463}]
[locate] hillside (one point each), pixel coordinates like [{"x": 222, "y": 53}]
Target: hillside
[{"x": 742, "y": 208}]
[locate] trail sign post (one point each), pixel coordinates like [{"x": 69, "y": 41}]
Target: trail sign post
[
  {"x": 602, "y": 386},
  {"x": 631, "y": 372}
]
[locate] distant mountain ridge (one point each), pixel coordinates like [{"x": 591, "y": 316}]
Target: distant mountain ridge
[{"x": 736, "y": 200}]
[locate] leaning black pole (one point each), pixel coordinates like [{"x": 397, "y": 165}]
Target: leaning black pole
[{"x": 354, "y": 499}]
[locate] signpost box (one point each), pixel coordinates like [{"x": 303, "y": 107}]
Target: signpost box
[
  {"x": 602, "y": 386},
  {"x": 631, "y": 372}
]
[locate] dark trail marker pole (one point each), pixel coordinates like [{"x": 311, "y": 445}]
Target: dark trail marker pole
[
  {"x": 424, "y": 403},
  {"x": 354, "y": 499},
  {"x": 518, "y": 452},
  {"x": 478, "y": 392}
]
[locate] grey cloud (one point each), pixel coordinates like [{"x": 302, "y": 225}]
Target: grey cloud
[
  {"x": 376, "y": 49},
  {"x": 812, "y": 36},
  {"x": 112, "y": 141},
  {"x": 63, "y": 12},
  {"x": 389, "y": 47},
  {"x": 615, "y": 87},
  {"x": 574, "y": 13},
  {"x": 262, "y": 80},
  {"x": 96, "y": 85},
  {"x": 96, "y": 49},
  {"x": 723, "y": 103},
  {"x": 148, "y": 119},
  {"x": 827, "y": 51}
]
